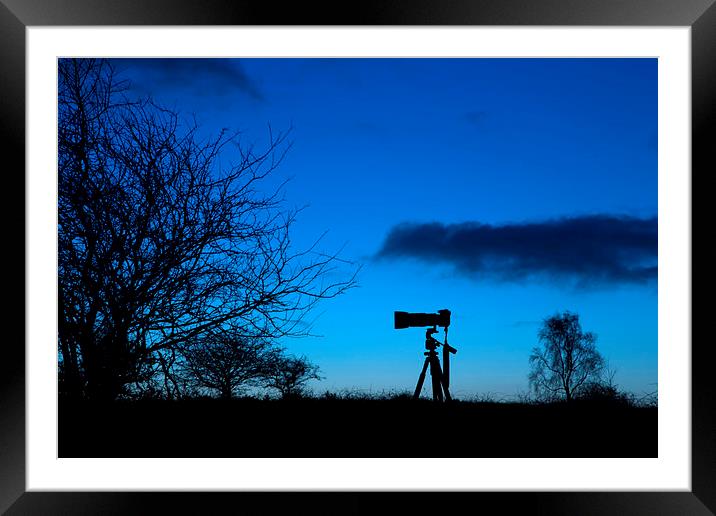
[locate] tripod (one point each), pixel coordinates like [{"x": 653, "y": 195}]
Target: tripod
[{"x": 440, "y": 379}]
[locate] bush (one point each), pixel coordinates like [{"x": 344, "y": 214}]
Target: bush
[{"x": 603, "y": 393}]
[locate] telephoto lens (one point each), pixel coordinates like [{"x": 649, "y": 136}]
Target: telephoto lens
[{"x": 412, "y": 320}]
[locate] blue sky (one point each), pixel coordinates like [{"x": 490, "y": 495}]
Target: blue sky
[{"x": 503, "y": 189}]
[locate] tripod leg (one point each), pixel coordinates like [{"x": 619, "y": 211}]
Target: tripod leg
[
  {"x": 446, "y": 367},
  {"x": 436, "y": 375},
  {"x": 421, "y": 379},
  {"x": 442, "y": 383},
  {"x": 447, "y": 391}
]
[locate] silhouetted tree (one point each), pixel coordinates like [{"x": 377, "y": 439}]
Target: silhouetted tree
[
  {"x": 289, "y": 375},
  {"x": 160, "y": 241},
  {"x": 567, "y": 361},
  {"x": 225, "y": 361}
]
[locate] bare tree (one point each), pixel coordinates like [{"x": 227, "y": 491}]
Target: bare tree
[
  {"x": 159, "y": 241},
  {"x": 225, "y": 361},
  {"x": 290, "y": 374},
  {"x": 567, "y": 361}
]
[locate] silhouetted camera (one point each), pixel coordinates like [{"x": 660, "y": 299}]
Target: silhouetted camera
[{"x": 411, "y": 320}]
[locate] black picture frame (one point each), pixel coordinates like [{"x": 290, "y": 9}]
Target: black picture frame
[{"x": 699, "y": 15}]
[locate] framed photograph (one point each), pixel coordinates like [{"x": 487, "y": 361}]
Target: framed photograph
[{"x": 418, "y": 249}]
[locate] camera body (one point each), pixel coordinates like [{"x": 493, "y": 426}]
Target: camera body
[{"x": 418, "y": 319}]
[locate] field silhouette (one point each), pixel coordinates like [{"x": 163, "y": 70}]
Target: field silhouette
[{"x": 355, "y": 426}]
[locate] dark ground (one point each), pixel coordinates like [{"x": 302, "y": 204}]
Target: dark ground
[{"x": 354, "y": 428}]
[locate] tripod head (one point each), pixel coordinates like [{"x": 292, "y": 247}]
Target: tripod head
[{"x": 431, "y": 343}]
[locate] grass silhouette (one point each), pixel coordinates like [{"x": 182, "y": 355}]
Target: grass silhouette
[{"x": 355, "y": 424}]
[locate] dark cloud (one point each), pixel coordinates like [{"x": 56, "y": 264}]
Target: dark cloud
[
  {"x": 586, "y": 250},
  {"x": 210, "y": 76}
]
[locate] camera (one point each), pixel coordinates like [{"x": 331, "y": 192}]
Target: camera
[{"x": 417, "y": 319}]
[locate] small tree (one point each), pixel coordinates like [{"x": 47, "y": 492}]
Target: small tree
[
  {"x": 225, "y": 361},
  {"x": 568, "y": 360},
  {"x": 289, "y": 375}
]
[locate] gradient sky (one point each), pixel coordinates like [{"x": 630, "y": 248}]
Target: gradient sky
[{"x": 503, "y": 189}]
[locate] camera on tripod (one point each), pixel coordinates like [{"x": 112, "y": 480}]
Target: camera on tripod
[{"x": 440, "y": 376}]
